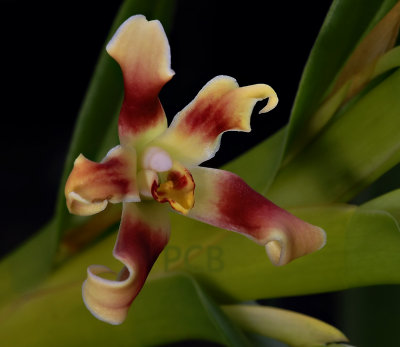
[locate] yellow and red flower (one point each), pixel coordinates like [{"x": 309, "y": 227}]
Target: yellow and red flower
[{"x": 155, "y": 164}]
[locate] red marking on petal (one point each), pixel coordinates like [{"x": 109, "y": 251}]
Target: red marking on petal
[
  {"x": 110, "y": 172},
  {"x": 209, "y": 120},
  {"x": 143, "y": 234},
  {"x": 100, "y": 181},
  {"x": 221, "y": 105},
  {"x": 241, "y": 206},
  {"x": 140, "y": 111},
  {"x": 226, "y": 201},
  {"x": 139, "y": 245}
]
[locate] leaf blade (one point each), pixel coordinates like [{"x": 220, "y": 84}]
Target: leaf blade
[
  {"x": 350, "y": 154},
  {"x": 290, "y": 327},
  {"x": 169, "y": 296},
  {"x": 345, "y": 25}
]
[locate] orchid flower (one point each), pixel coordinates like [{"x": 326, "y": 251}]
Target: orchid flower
[{"x": 155, "y": 167}]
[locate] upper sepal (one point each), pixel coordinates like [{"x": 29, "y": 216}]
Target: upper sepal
[{"x": 142, "y": 50}]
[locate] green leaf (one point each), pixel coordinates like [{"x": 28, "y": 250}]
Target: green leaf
[
  {"x": 29, "y": 264},
  {"x": 373, "y": 46},
  {"x": 363, "y": 248},
  {"x": 344, "y": 27},
  {"x": 337, "y": 39},
  {"x": 295, "y": 329},
  {"x": 356, "y": 84},
  {"x": 355, "y": 255},
  {"x": 389, "y": 202},
  {"x": 170, "y": 309},
  {"x": 259, "y": 174},
  {"x": 357, "y": 148}
]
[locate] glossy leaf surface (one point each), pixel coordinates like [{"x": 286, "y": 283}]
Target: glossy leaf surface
[
  {"x": 351, "y": 153},
  {"x": 345, "y": 25},
  {"x": 177, "y": 296}
]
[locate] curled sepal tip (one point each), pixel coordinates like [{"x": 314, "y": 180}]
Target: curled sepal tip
[
  {"x": 90, "y": 185},
  {"x": 221, "y": 105},
  {"x": 143, "y": 234},
  {"x": 176, "y": 187},
  {"x": 223, "y": 199}
]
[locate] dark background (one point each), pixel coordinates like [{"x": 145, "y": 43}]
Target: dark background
[{"x": 48, "y": 53}]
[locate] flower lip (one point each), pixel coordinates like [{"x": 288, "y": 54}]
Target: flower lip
[
  {"x": 177, "y": 188},
  {"x": 79, "y": 205}
]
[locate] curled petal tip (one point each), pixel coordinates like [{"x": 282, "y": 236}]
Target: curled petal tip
[
  {"x": 275, "y": 251},
  {"x": 82, "y": 207},
  {"x": 282, "y": 246},
  {"x": 272, "y": 99},
  {"x": 143, "y": 233},
  {"x": 221, "y": 105},
  {"x": 107, "y": 300},
  {"x": 91, "y": 185}
]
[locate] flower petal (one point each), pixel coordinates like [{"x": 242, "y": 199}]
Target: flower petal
[
  {"x": 223, "y": 199},
  {"x": 194, "y": 135},
  {"x": 143, "y": 234},
  {"x": 91, "y": 185},
  {"x": 177, "y": 188},
  {"x": 141, "y": 49}
]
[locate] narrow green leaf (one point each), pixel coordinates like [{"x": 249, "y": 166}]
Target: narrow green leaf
[
  {"x": 355, "y": 255},
  {"x": 350, "y": 88},
  {"x": 374, "y": 45},
  {"x": 345, "y": 25},
  {"x": 389, "y": 202},
  {"x": 295, "y": 329},
  {"x": 29, "y": 264},
  {"x": 389, "y": 61},
  {"x": 351, "y": 153},
  {"x": 363, "y": 248},
  {"x": 259, "y": 174},
  {"x": 170, "y": 309}
]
